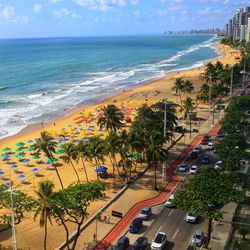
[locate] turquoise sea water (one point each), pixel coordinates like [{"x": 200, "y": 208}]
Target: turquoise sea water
[{"x": 40, "y": 78}]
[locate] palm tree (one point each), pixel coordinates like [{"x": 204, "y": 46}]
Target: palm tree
[
  {"x": 83, "y": 153},
  {"x": 112, "y": 118},
  {"x": 210, "y": 73},
  {"x": 70, "y": 153},
  {"x": 178, "y": 87},
  {"x": 154, "y": 151},
  {"x": 46, "y": 144},
  {"x": 188, "y": 106},
  {"x": 96, "y": 150},
  {"x": 45, "y": 205},
  {"x": 188, "y": 87}
]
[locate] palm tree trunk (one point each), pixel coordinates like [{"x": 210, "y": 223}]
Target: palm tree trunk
[
  {"x": 112, "y": 165},
  {"x": 116, "y": 164},
  {"x": 96, "y": 162},
  {"x": 84, "y": 167},
  {"x": 156, "y": 188},
  {"x": 75, "y": 171},
  {"x": 60, "y": 180},
  {"x": 190, "y": 124},
  {"x": 180, "y": 97},
  {"x": 45, "y": 231}
]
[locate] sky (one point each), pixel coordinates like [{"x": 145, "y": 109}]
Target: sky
[{"x": 67, "y": 18}]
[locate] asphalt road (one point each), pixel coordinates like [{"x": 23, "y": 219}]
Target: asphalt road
[{"x": 172, "y": 221}]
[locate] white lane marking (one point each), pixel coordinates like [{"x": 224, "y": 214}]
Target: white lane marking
[
  {"x": 171, "y": 212},
  {"x": 160, "y": 229},
  {"x": 176, "y": 233}
]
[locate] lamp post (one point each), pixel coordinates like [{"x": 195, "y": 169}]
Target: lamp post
[{"x": 164, "y": 135}]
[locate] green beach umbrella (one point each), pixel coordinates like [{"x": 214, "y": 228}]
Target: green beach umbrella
[
  {"x": 30, "y": 149},
  {"x": 36, "y": 157},
  {"x": 20, "y": 144},
  {"x": 80, "y": 113},
  {"x": 136, "y": 156},
  {"x": 60, "y": 146},
  {"x": 60, "y": 151},
  {"x": 19, "y": 149},
  {"x": 53, "y": 160},
  {"x": 19, "y": 155},
  {"x": 6, "y": 149},
  {"x": 2, "y": 155}
]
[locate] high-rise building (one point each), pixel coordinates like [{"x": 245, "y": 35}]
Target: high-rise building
[
  {"x": 248, "y": 30},
  {"x": 226, "y": 30},
  {"x": 237, "y": 24},
  {"x": 243, "y": 26},
  {"x": 230, "y": 28}
]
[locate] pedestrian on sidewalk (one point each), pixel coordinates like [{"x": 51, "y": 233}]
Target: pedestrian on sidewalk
[
  {"x": 94, "y": 237},
  {"x": 105, "y": 218},
  {"x": 108, "y": 218}
]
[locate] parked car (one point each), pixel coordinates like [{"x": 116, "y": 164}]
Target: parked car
[
  {"x": 193, "y": 170},
  {"x": 210, "y": 146},
  {"x": 159, "y": 241},
  {"x": 248, "y": 86},
  {"x": 145, "y": 213},
  {"x": 122, "y": 243},
  {"x": 198, "y": 238},
  {"x": 135, "y": 225},
  {"x": 217, "y": 164},
  {"x": 205, "y": 159},
  {"x": 190, "y": 247},
  {"x": 193, "y": 155},
  {"x": 140, "y": 244},
  {"x": 219, "y": 134},
  {"x": 197, "y": 149},
  {"x": 207, "y": 137},
  {"x": 204, "y": 141},
  {"x": 190, "y": 217},
  {"x": 220, "y": 141},
  {"x": 242, "y": 93},
  {"x": 183, "y": 167},
  {"x": 168, "y": 202}
]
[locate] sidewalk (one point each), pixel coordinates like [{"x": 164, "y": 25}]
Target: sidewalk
[{"x": 141, "y": 193}]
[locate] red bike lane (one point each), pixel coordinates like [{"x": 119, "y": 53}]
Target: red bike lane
[{"x": 174, "y": 180}]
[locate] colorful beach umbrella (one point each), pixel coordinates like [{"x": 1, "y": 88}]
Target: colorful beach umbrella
[
  {"x": 34, "y": 169},
  {"x": 26, "y": 160},
  {"x": 30, "y": 149},
  {"x": 1, "y": 172},
  {"x": 6, "y": 149},
  {"x": 98, "y": 170},
  {"x": 14, "y": 166},
  {"x": 19, "y": 155},
  {"x": 20, "y": 144},
  {"x": 6, "y": 157},
  {"x": 19, "y": 149},
  {"x": 53, "y": 160},
  {"x": 60, "y": 151},
  {"x": 21, "y": 176},
  {"x": 2, "y": 155},
  {"x": 47, "y": 163},
  {"x": 36, "y": 157},
  {"x": 60, "y": 146},
  {"x": 29, "y": 141}
]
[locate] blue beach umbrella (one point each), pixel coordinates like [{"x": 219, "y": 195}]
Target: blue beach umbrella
[
  {"x": 35, "y": 139},
  {"x": 6, "y": 157},
  {"x": 103, "y": 168},
  {"x": 1, "y": 172},
  {"x": 79, "y": 125},
  {"x": 14, "y": 166},
  {"x": 89, "y": 129},
  {"x": 26, "y": 160},
  {"x": 29, "y": 141},
  {"x": 21, "y": 176},
  {"x": 59, "y": 142},
  {"x": 58, "y": 135},
  {"x": 77, "y": 141},
  {"x": 71, "y": 137},
  {"x": 69, "y": 125},
  {"x": 34, "y": 169},
  {"x": 98, "y": 170},
  {"x": 84, "y": 138},
  {"x": 65, "y": 140},
  {"x": 47, "y": 163}
]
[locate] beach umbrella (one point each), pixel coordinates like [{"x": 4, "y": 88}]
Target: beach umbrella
[
  {"x": 14, "y": 166},
  {"x": 84, "y": 138},
  {"x": 60, "y": 146},
  {"x": 53, "y": 160},
  {"x": 19, "y": 149},
  {"x": 1, "y": 172},
  {"x": 71, "y": 137},
  {"x": 34, "y": 169},
  {"x": 103, "y": 168},
  {"x": 98, "y": 170},
  {"x": 65, "y": 140},
  {"x": 36, "y": 157},
  {"x": 47, "y": 163},
  {"x": 26, "y": 160},
  {"x": 59, "y": 142},
  {"x": 30, "y": 149},
  {"x": 29, "y": 141},
  {"x": 6, "y": 157},
  {"x": 77, "y": 141},
  {"x": 2, "y": 155},
  {"x": 60, "y": 151},
  {"x": 58, "y": 135},
  {"x": 69, "y": 125},
  {"x": 136, "y": 156},
  {"x": 19, "y": 155},
  {"x": 6, "y": 149},
  {"x": 20, "y": 144},
  {"x": 21, "y": 176}
]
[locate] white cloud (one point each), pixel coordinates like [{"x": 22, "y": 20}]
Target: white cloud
[
  {"x": 8, "y": 14},
  {"x": 55, "y": 1},
  {"x": 204, "y": 11},
  {"x": 37, "y": 7},
  {"x": 101, "y": 4},
  {"x": 134, "y": 2},
  {"x": 65, "y": 13},
  {"x": 226, "y": 1},
  {"x": 177, "y": 7},
  {"x": 137, "y": 13}
]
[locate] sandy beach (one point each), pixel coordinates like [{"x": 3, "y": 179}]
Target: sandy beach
[{"x": 29, "y": 234}]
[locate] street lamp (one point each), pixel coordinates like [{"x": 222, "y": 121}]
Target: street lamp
[{"x": 164, "y": 135}]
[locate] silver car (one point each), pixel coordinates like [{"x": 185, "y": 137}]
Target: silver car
[
  {"x": 145, "y": 213},
  {"x": 198, "y": 238}
]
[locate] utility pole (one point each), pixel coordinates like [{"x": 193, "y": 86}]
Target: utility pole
[
  {"x": 164, "y": 135},
  {"x": 13, "y": 218}
]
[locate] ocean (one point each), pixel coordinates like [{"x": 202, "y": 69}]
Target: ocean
[{"x": 44, "y": 79}]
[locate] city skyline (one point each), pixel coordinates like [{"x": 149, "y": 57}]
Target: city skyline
[{"x": 65, "y": 18}]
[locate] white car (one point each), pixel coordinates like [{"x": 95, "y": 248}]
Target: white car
[
  {"x": 197, "y": 149},
  {"x": 159, "y": 241},
  {"x": 198, "y": 238},
  {"x": 210, "y": 146},
  {"x": 168, "y": 202},
  {"x": 190, "y": 217},
  {"x": 217, "y": 164},
  {"x": 193, "y": 170}
]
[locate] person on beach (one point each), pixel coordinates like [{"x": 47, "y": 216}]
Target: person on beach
[
  {"x": 108, "y": 218},
  {"x": 105, "y": 218}
]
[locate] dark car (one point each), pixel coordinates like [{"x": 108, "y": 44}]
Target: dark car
[
  {"x": 204, "y": 141},
  {"x": 190, "y": 248},
  {"x": 135, "y": 225},
  {"x": 141, "y": 243},
  {"x": 193, "y": 155},
  {"x": 207, "y": 137},
  {"x": 242, "y": 93},
  {"x": 122, "y": 243},
  {"x": 205, "y": 159},
  {"x": 219, "y": 134}
]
